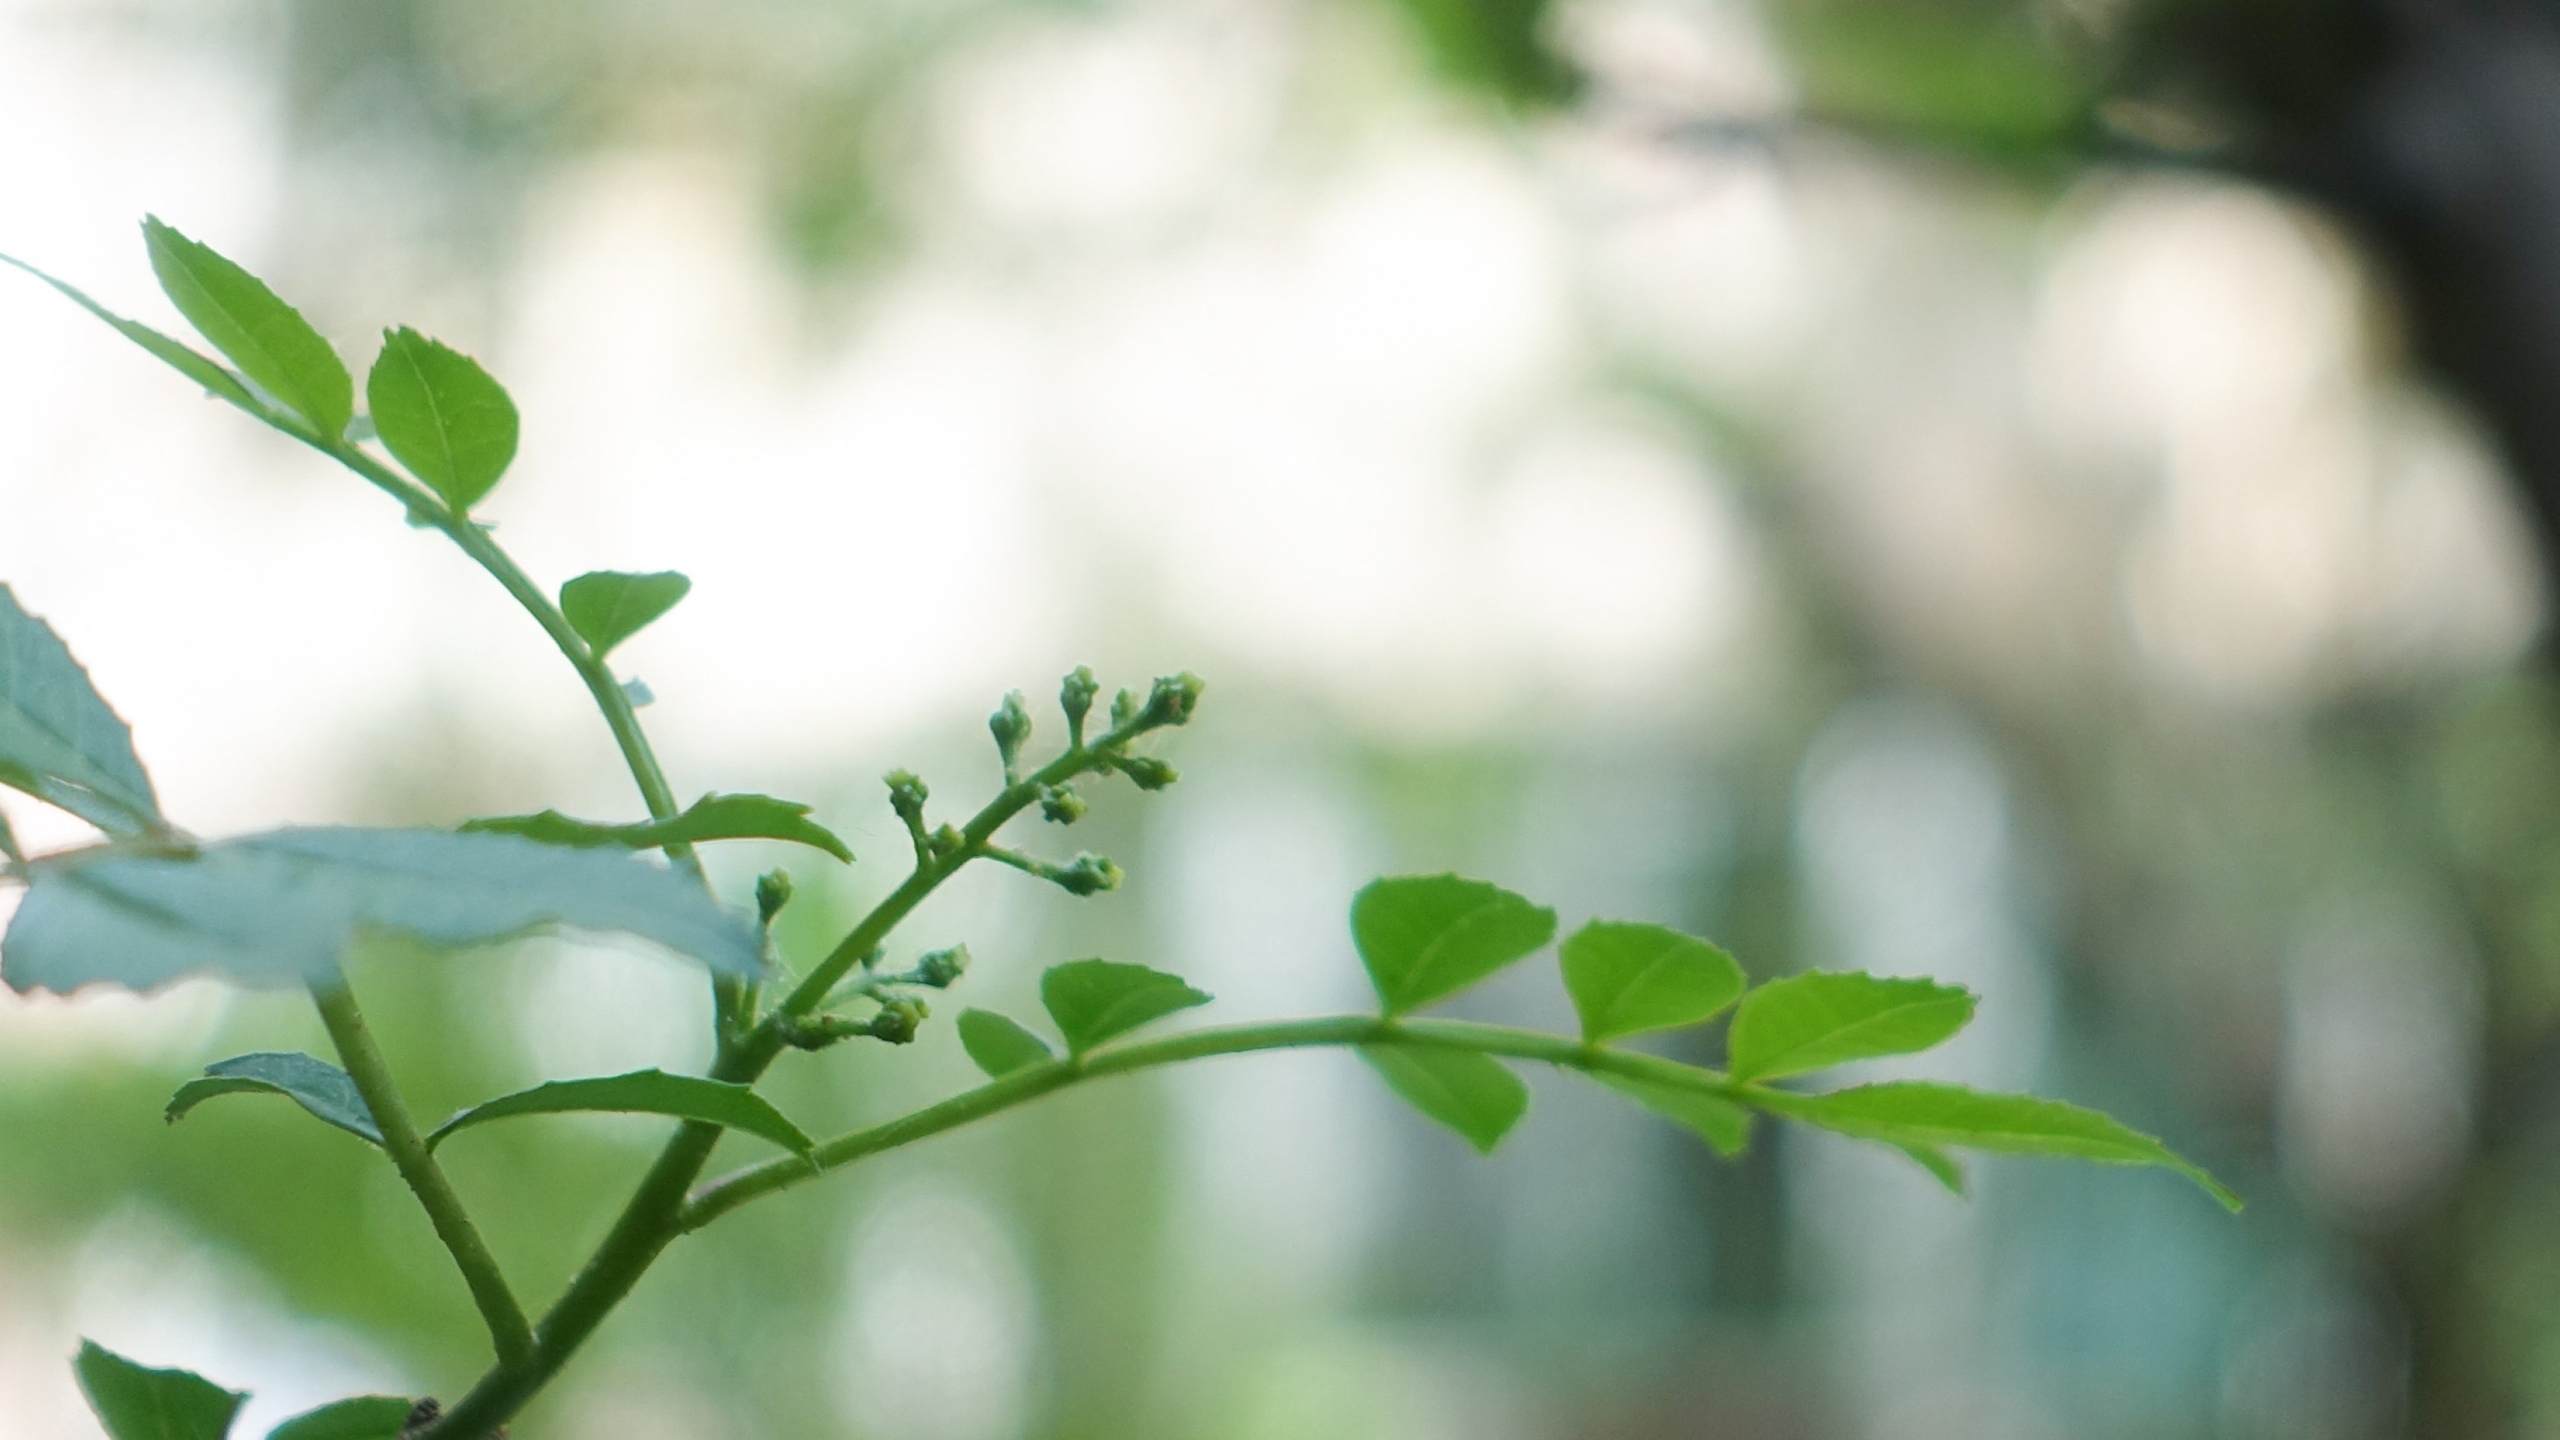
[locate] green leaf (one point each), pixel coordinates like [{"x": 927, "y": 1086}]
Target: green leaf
[
  {"x": 1000, "y": 1046},
  {"x": 1629, "y": 979},
  {"x": 138, "y": 1403},
  {"x": 441, "y": 415},
  {"x": 608, "y": 607},
  {"x": 268, "y": 339},
  {"x": 1427, "y": 937},
  {"x": 58, "y": 740},
  {"x": 217, "y": 381},
  {"x": 642, "y": 1092},
  {"x": 315, "y": 1085},
  {"x": 1466, "y": 1090},
  {"x": 1723, "y": 1124},
  {"x": 1909, "y": 1113},
  {"x": 366, "y": 1417},
  {"x": 1094, "y": 1000},
  {"x": 1806, "y": 1022},
  {"x": 713, "y": 817},
  {"x": 1941, "y": 1166},
  {"x": 281, "y": 908}
]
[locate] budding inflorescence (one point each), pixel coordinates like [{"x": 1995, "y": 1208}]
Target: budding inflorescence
[
  {"x": 1011, "y": 725},
  {"x": 1075, "y": 696}
]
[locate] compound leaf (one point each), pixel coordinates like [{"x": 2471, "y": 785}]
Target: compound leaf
[
  {"x": 1466, "y": 1090},
  {"x": 1427, "y": 937},
  {"x": 642, "y": 1092},
  {"x": 1000, "y": 1046},
  {"x": 366, "y": 1417},
  {"x": 713, "y": 817},
  {"x": 58, "y": 739},
  {"x": 217, "y": 381},
  {"x": 1821, "y": 1018},
  {"x": 607, "y": 607},
  {"x": 280, "y": 908},
  {"x": 1915, "y": 1113},
  {"x": 442, "y": 416},
  {"x": 1629, "y": 979},
  {"x": 136, "y": 1402},
  {"x": 1095, "y": 1000},
  {"x": 1723, "y": 1124},
  {"x": 268, "y": 339},
  {"x": 315, "y": 1085}
]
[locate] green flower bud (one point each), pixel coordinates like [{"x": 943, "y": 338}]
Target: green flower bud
[
  {"x": 1060, "y": 804},
  {"x": 1075, "y": 696},
  {"x": 1011, "y": 725},
  {"x": 897, "y": 1020},
  {"x": 773, "y": 891},
  {"x": 907, "y": 796},
  {"x": 1147, "y": 772},
  {"x": 1124, "y": 709},
  {"x": 1087, "y": 874},
  {"x": 938, "y": 968},
  {"x": 945, "y": 842},
  {"x": 1172, "y": 700}
]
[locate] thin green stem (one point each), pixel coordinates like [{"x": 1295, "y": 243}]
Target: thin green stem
[
  {"x": 364, "y": 1064},
  {"x": 719, "y": 1197}
]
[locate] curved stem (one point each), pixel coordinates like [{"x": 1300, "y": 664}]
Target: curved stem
[
  {"x": 364, "y": 1063},
  {"x": 730, "y": 1191}
]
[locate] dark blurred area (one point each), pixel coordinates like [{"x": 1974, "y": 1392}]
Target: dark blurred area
[{"x": 2058, "y": 496}]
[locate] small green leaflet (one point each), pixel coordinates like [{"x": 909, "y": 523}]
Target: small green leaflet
[
  {"x": 217, "y": 381},
  {"x": 1000, "y": 1046},
  {"x": 1822, "y": 1018},
  {"x": 1941, "y": 1166},
  {"x": 315, "y": 1085},
  {"x": 58, "y": 740},
  {"x": 281, "y": 908},
  {"x": 1922, "y": 1114},
  {"x": 442, "y": 416},
  {"x": 135, "y": 1402},
  {"x": 366, "y": 1417},
  {"x": 1466, "y": 1090},
  {"x": 607, "y": 607},
  {"x": 1427, "y": 937},
  {"x": 268, "y": 339},
  {"x": 713, "y": 817},
  {"x": 1629, "y": 979},
  {"x": 642, "y": 1092},
  {"x": 1095, "y": 1000},
  {"x": 1723, "y": 1124}
]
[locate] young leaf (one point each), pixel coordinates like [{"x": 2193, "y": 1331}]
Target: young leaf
[
  {"x": 138, "y": 1403},
  {"x": 1941, "y": 1166},
  {"x": 217, "y": 381},
  {"x": 642, "y": 1092},
  {"x": 1095, "y": 1000},
  {"x": 607, "y": 607},
  {"x": 366, "y": 1417},
  {"x": 713, "y": 817},
  {"x": 1427, "y": 937},
  {"x": 1629, "y": 979},
  {"x": 442, "y": 416},
  {"x": 1912, "y": 1113},
  {"x": 280, "y": 908},
  {"x": 268, "y": 339},
  {"x": 315, "y": 1085},
  {"x": 1000, "y": 1046},
  {"x": 1723, "y": 1124},
  {"x": 58, "y": 740},
  {"x": 1806, "y": 1022},
  {"x": 1466, "y": 1090}
]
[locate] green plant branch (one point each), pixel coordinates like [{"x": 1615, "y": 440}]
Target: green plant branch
[
  {"x": 718, "y": 1197},
  {"x": 364, "y": 1064},
  {"x": 937, "y": 864}
]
